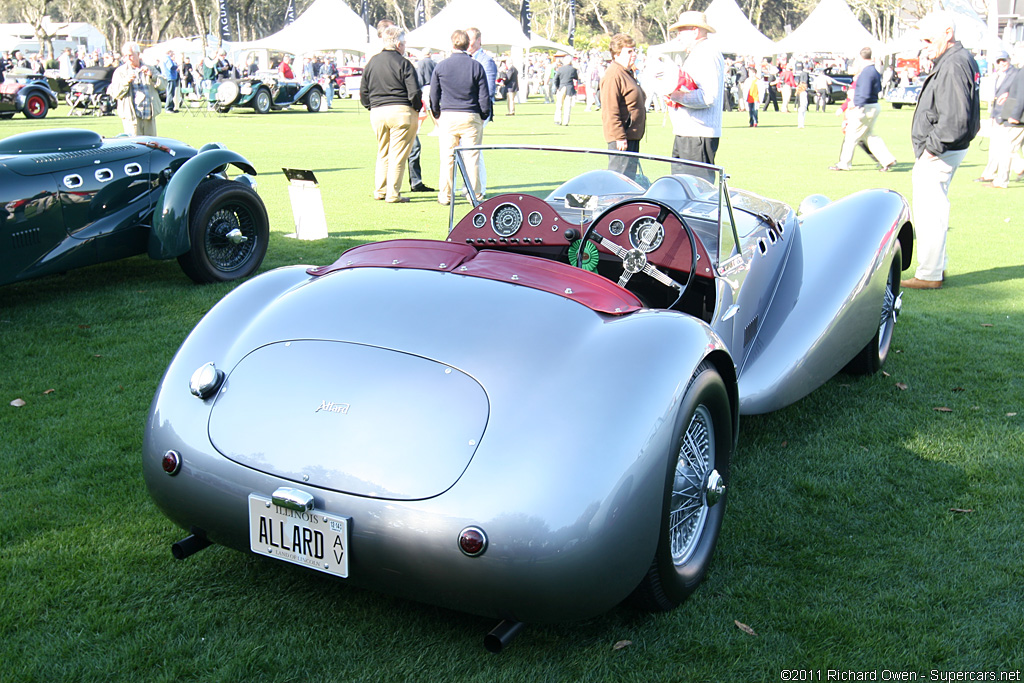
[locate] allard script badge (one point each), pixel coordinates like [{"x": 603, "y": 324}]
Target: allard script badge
[{"x": 332, "y": 407}]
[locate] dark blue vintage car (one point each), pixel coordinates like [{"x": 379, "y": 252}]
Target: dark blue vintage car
[
  {"x": 266, "y": 92},
  {"x": 904, "y": 94},
  {"x": 70, "y": 198}
]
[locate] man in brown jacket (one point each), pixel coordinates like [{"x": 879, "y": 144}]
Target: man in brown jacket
[{"x": 623, "y": 110}]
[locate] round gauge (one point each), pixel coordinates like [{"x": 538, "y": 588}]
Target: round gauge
[
  {"x": 534, "y": 218},
  {"x": 616, "y": 227},
  {"x": 646, "y": 234},
  {"x": 506, "y": 220},
  {"x": 479, "y": 220}
]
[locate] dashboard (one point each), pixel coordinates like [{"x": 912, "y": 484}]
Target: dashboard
[{"x": 528, "y": 224}]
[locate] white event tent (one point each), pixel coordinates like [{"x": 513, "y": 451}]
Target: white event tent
[
  {"x": 326, "y": 26},
  {"x": 190, "y": 47},
  {"x": 830, "y": 27},
  {"x": 499, "y": 30},
  {"x": 734, "y": 34}
]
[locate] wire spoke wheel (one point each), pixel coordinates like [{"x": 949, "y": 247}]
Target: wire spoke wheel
[
  {"x": 231, "y": 237},
  {"x": 228, "y": 232},
  {"x": 688, "y": 508}
]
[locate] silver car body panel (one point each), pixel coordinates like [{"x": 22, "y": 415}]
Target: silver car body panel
[
  {"x": 826, "y": 304},
  {"x": 577, "y": 434}
]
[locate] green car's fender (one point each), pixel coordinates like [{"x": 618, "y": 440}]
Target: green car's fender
[{"x": 169, "y": 237}]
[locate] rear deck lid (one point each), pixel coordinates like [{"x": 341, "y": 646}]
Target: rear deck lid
[{"x": 359, "y": 419}]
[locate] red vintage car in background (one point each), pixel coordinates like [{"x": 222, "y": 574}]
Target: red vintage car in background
[
  {"x": 348, "y": 80},
  {"x": 27, "y": 93}
]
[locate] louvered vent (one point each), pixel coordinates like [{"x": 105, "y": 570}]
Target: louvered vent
[
  {"x": 749, "y": 332},
  {"x": 25, "y": 238},
  {"x": 80, "y": 154}
]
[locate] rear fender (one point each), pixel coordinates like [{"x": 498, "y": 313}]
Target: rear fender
[
  {"x": 170, "y": 235},
  {"x": 28, "y": 91}
]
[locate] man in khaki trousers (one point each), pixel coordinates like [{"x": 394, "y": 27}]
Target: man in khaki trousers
[{"x": 390, "y": 91}]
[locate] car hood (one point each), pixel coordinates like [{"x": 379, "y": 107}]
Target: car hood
[{"x": 350, "y": 417}]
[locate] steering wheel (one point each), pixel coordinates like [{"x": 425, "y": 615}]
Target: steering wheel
[{"x": 635, "y": 260}]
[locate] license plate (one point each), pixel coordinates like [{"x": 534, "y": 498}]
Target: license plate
[{"x": 312, "y": 539}]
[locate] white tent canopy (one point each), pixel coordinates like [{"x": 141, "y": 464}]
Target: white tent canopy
[
  {"x": 190, "y": 47},
  {"x": 327, "y": 25},
  {"x": 831, "y": 27},
  {"x": 499, "y": 30},
  {"x": 733, "y": 31},
  {"x": 734, "y": 34}
]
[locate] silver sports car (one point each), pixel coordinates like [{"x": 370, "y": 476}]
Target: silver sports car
[{"x": 532, "y": 420}]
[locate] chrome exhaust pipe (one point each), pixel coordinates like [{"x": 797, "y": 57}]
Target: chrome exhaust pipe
[
  {"x": 190, "y": 545},
  {"x": 502, "y": 634}
]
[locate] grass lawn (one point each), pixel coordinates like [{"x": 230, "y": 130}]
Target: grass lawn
[{"x": 867, "y": 531}]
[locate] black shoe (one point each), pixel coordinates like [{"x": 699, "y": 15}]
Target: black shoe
[{"x": 422, "y": 188}]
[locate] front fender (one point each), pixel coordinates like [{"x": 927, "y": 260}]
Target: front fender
[
  {"x": 170, "y": 236},
  {"x": 304, "y": 90}
]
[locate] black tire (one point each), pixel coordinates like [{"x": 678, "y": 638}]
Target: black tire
[
  {"x": 871, "y": 358},
  {"x": 262, "y": 102},
  {"x": 680, "y": 562},
  {"x": 897, "y": 105},
  {"x": 313, "y": 99},
  {"x": 220, "y": 207},
  {"x": 36, "y": 106}
]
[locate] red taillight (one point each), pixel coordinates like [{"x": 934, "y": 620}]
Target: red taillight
[
  {"x": 473, "y": 541},
  {"x": 171, "y": 462}
]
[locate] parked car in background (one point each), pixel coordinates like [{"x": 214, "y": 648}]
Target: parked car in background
[
  {"x": 88, "y": 91},
  {"x": 348, "y": 81},
  {"x": 904, "y": 94},
  {"x": 532, "y": 420},
  {"x": 839, "y": 85},
  {"x": 27, "y": 93},
  {"x": 69, "y": 198},
  {"x": 266, "y": 92}
]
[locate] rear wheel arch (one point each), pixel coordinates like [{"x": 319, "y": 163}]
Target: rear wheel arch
[{"x": 681, "y": 559}]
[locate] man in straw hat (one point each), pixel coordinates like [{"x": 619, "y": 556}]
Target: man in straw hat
[
  {"x": 947, "y": 117},
  {"x": 697, "y": 121}
]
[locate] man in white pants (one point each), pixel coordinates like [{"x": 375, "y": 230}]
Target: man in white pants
[
  {"x": 565, "y": 80},
  {"x": 947, "y": 117},
  {"x": 861, "y": 115}
]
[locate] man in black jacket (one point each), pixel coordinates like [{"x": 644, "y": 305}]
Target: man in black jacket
[
  {"x": 947, "y": 117},
  {"x": 389, "y": 90},
  {"x": 566, "y": 78}
]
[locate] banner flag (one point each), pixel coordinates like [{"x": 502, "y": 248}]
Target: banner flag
[
  {"x": 572, "y": 23},
  {"x": 224, "y": 20},
  {"x": 525, "y": 15}
]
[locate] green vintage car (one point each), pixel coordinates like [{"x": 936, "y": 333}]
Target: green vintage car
[
  {"x": 70, "y": 198},
  {"x": 267, "y": 92}
]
